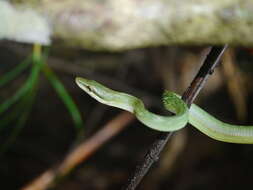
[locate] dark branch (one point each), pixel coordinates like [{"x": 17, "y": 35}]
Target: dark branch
[
  {"x": 207, "y": 68},
  {"x": 210, "y": 62}
]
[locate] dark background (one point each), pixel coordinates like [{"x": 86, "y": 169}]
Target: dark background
[{"x": 191, "y": 159}]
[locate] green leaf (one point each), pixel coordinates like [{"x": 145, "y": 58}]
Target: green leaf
[
  {"x": 22, "y": 91},
  {"x": 28, "y": 101},
  {"x": 8, "y": 77},
  {"x": 64, "y": 95}
]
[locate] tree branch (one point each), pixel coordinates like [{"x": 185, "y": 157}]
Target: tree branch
[
  {"x": 81, "y": 152},
  {"x": 189, "y": 95}
]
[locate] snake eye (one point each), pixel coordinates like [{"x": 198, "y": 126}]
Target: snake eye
[{"x": 89, "y": 88}]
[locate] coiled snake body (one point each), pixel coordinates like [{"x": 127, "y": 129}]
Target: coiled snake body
[{"x": 196, "y": 116}]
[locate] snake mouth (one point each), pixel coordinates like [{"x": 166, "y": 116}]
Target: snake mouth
[
  {"x": 92, "y": 91},
  {"x": 89, "y": 88},
  {"x": 84, "y": 84}
]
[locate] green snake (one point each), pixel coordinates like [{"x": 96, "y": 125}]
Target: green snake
[{"x": 196, "y": 116}]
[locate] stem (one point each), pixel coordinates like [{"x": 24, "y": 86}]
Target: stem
[
  {"x": 9, "y": 76},
  {"x": 64, "y": 96},
  {"x": 189, "y": 96}
]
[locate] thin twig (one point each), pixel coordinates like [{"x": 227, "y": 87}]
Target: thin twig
[
  {"x": 189, "y": 95},
  {"x": 81, "y": 152}
]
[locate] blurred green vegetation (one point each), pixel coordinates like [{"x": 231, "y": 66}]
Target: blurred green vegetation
[{"x": 22, "y": 100}]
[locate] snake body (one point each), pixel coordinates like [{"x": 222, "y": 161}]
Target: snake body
[
  {"x": 134, "y": 105},
  {"x": 219, "y": 130},
  {"x": 196, "y": 116}
]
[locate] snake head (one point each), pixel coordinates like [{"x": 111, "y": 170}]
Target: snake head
[
  {"x": 101, "y": 93},
  {"x": 105, "y": 95},
  {"x": 93, "y": 88}
]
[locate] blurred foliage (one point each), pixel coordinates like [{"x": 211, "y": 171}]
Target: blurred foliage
[{"x": 25, "y": 95}]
